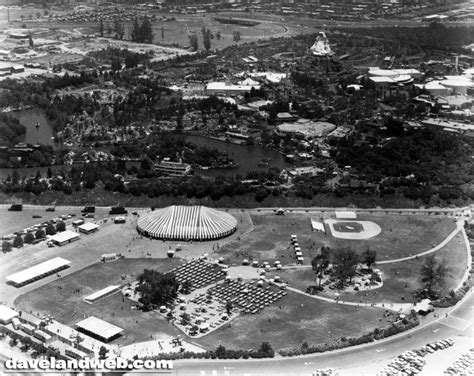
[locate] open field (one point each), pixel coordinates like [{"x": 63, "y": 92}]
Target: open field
[
  {"x": 400, "y": 279},
  {"x": 61, "y": 299},
  {"x": 299, "y": 319},
  {"x": 401, "y": 236}
]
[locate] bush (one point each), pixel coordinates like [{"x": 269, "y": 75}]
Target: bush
[
  {"x": 18, "y": 242},
  {"x": 6, "y": 247}
]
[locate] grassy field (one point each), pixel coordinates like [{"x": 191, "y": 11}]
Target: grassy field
[
  {"x": 300, "y": 319},
  {"x": 400, "y": 279},
  {"x": 401, "y": 236},
  {"x": 61, "y": 299}
]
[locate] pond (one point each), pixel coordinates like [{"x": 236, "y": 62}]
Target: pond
[{"x": 247, "y": 157}]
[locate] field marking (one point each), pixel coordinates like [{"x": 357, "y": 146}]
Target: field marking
[{"x": 460, "y": 324}]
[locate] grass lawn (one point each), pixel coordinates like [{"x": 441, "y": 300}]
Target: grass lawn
[
  {"x": 400, "y": 278},
  {"x": 401, "y": 236},
  {"x": 60, "y": 299},
  {"x": 300, "y": 319}
]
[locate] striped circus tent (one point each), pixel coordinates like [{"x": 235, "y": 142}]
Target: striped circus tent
[{"x": 180, "y": 222}]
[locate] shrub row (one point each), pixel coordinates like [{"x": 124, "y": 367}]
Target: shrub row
[{"x": 454, "y": 296}]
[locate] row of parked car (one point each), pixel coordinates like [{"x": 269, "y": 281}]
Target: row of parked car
[
  {"x": 411, "y": 362},
  {"x": 464, "y": 365}
]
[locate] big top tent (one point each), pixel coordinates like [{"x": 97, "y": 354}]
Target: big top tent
[{"x": 187, "y": 223}]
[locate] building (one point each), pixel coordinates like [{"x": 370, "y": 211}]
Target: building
[
  {"x": 99, "y": 329},
  {"x": 88, "y": 228},
  {"x": 180, "y": 222},
  {"x": 38, "y": 271},
  {"x": 109, "y": 290},
  {"x": 7, "y": 314},
  {"x": 64, "y": 237},
  {"x": 307, "y": 128},
  {"x": 226, "y": 88},
  {"x": 170, "y": 168}
]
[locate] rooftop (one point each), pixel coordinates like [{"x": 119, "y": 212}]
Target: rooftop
[
  {"x": 38, "y": 270},
  {"x": 99, "y": 327}
]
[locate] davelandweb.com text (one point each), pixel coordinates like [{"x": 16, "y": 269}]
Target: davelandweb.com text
[{"x": 86, "y": 364}]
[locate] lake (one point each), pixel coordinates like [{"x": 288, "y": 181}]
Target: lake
[
  {"x": 247, "y": 157},
  {"x": 35, "y": 135}
]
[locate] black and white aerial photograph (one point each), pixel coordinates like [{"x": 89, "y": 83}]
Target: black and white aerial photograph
[{"x": 236, "y": 187}]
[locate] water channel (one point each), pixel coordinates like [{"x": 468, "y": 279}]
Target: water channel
[{"x": 247, "y": 158}]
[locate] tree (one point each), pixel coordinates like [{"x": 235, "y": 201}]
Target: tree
[
  {"x": 228, "y": 307},
  {"x": 193, "y": 42},
  {"x": 50, "y": 229},
  {"x": 162, "y": 33},
  {"x": 218, "y": 35},
  {"x": 206, "y": 38},
  {"x": 186, "y": 287},
  {"x": 29, "y": 237},
  {"x": 103, "y": 352},
  {"x": 40, "y": 234},
  {"x": 220, "y": 352},
  {"x": 101, "y": 27},
  {"x": 60, "y": 226},
  {"x": 236, "y": 36},
  {"x": 6, "y": 246},
  {"x": 115, "y": 64},
  {"x": 18, "y": 242},
  {"x": 267, "y": 350},
  {"x": 135, "y": 33},
  {"x": 368, "y": 257},
  {"x": 146, "y": 32},
  {"x": 30, "y": 41},
  {"x": 26, "y": 343},
  {"x": 156, "y": 288},
  {"x": 433, "y": 274},
  {"x": 345, "y": 261},
  {"x": 118, "y": 29}
]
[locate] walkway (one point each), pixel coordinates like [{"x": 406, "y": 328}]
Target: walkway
[
  {"x": 397, "y": 307},
  {"x": 459, "y": 227}
]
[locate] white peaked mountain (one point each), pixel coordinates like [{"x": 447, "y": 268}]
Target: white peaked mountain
[{"x": 321, "y": 46}]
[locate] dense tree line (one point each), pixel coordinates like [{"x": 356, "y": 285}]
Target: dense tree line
[
  {"x": 11, "y": 130},
  {"x": 419, "y": 162}
]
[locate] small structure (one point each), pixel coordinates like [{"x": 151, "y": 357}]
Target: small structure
[
  {"x": 88, "y": 228},
  {"x": 321, "y": 46},
  {"x": 99, "y": 329},
  {"x": 109, "y": 290},
  {"x": 65, "y": 237},
  {"x": 120, "y": 220},
  {"x": 78, "y": 222},
  {"x": 169, "y": 168},
  {"x": 424, "y": 307},
  {"x": 110, "y": 257},
  {"x": 7, "y": 314},
  {"x": 38, "y": 271},
  {"x": 317, "y": 226},
  {"x": 345, "y": 214}
]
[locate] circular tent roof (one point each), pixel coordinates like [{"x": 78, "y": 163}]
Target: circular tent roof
[{"x": 187, "y": 223}]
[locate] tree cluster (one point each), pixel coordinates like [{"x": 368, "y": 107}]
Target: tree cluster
[{"x": 156, "y": 289}]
